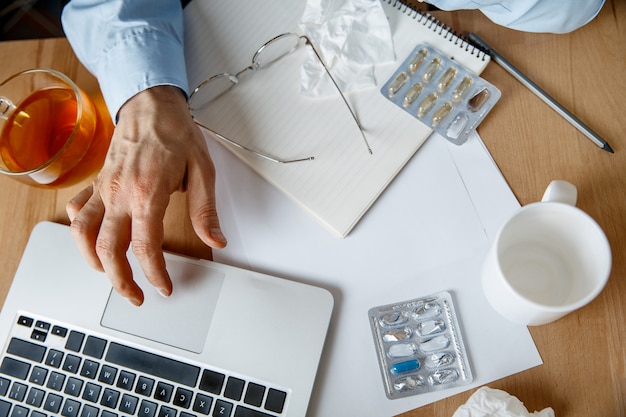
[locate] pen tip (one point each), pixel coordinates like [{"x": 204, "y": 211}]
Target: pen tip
[{"x": 608, "y": 148}]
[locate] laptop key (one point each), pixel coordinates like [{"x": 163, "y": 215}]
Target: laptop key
[
  {"x": 234, "y": 388},
  {"x": 89, "y": 369},
  {"x": 18, "y": 392},
  {"x": 144, "y": 386},
  {"x": 94, "y": 347},
  {"x": 75, "y": 341},
  {"x": 182, "y": 397},
  {"x": 14, "y": 368},
  {"x": 92, "y": 392},
  {"x": 38, "y": 376},
  {"x": 4, "y": 385},
  {"x": 54, "y": 358},
  {"x": 59, "y": 331},
  {"x": 26, "y": 350},
  {"x": 254, "y": 394},
  {"x": 25, "y": 321},
  {"x": 248, "y": 412},
  {"x": 71, "y": 363},
  {"x": 53, "y": 403},
  {"x": 70, "y": 408},
  {"x": 275, "y": 400},
  {"x": 19, "y": 411},
  {"x": 109, "y": 398},
  {"x": 73, "y": 386},
  {"x": 107, "y": 374},
  {"x": 56, "y": 381},
  {"x": 163, "y": 392},
  {"x": 211, "y": 381},
  {"x": 166, "y": 411},
  {"x": 128, "y": 405},
  {"x": 39, "y": 335},
  {"x": 89, "y": 411},
  {"x": 156, "y": 365},
  {"x": 222, "y": 409},
  {"x": 202, "y": 404},
  {"x": 5, "y": 406},
  {"x": 35, "y": 397},
  {"x": 42, "y": 325},
  {"x": 126, "y": 380},
  {"x": 147, "y": 409}
]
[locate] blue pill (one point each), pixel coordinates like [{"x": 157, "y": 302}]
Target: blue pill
[{"x": 406, "y": 366}]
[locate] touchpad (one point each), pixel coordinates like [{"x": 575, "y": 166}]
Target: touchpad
[{"x": 181, "y": 320}]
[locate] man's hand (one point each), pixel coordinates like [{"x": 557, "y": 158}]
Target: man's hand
[{"x": 156, "y": 150}]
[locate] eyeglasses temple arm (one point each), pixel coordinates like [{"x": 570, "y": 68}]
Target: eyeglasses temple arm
[
  {"x": 356, "y": 119},
  {"x": 259, "y": 154}
]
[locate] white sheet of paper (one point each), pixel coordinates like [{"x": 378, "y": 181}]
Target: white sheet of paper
[{"x": 428, "y": 232}]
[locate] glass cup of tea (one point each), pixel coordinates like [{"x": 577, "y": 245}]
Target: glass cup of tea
[{"x": 51, "y": 132}]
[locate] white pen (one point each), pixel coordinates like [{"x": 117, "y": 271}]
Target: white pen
[{"x": 555, "y": 105}]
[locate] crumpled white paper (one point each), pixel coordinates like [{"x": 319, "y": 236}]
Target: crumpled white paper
[
  {"x": 497, "y": 403},
  {"x": 351, "y": 36}
]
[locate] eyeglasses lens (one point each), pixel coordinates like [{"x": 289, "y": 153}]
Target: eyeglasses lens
[
  {"x": 275, "y": 49},
  {"x": 211, "y": 90}
]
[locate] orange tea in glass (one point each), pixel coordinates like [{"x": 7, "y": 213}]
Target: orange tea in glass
[{"x": 51, "y": 133}]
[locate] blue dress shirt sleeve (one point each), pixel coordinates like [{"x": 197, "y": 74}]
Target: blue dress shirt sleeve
[
  {"x": 555, "y": 16},
  {"x": 128, "y": 45}
]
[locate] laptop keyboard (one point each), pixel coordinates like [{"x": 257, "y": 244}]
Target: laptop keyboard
[{"x": 51, "y": 369}]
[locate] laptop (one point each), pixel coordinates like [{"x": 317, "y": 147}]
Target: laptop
[{"x": 228, "y": 342}]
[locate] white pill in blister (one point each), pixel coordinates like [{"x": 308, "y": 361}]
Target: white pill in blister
[
  {"x": 402, "y": 350},
  {"x": 396, "y": 335},
  {"x": 430, "y": 327},
  {"x": 393, "y": 319},
  {"x": 427, "y": 310},
  {"x": 436, "y": 343},
  {"x": 443, "y": 376},
  {"x": 438, "y": 359},
  {"x": 408, "y": 383}
]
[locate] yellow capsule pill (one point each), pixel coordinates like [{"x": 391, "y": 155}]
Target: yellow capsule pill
[
  {"x": 462, "y": 89},
  {"x": 446, "y": 79},
  {"x": 412, "y": 94},
  {"x": 431, "y": 69},
  {"x": 441, "y": 114},
  {"x": 426, "y": 104},
  {"x": 397, "y": 83},
  {"x": 418, "y": 60}
]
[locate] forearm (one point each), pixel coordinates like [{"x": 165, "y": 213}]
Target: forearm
[{"x": 128, "y": 45}]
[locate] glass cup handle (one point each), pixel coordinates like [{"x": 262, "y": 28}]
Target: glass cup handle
[
  {"x": 561, "y": 192},
  {"x": 6, "y": 107}
]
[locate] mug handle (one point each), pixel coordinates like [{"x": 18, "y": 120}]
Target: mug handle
[
  {"x": 6, "y": 107},
  {"x": 560, "y": 191}
]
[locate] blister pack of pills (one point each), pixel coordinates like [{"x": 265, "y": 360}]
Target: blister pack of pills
[
  {"x": 419, "y": 346},
  {"x": 441, "y": 93}
]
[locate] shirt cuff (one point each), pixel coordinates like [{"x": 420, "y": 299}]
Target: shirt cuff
[{"x": 142, "y": 60}]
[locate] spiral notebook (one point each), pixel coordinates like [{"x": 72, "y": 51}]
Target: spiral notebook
[{"x": 266, "y": 111}]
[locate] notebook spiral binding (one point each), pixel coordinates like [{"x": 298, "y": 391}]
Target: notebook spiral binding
[{"x": 437, "y": 26}]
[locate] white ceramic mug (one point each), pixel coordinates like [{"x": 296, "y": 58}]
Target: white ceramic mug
[{"x": 548, "y": 260}]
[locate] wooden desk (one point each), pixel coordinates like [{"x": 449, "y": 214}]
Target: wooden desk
[{"x": 584, "y": 371}]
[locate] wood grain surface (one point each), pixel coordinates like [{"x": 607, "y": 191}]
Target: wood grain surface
[{"x": 584, "y": 354}]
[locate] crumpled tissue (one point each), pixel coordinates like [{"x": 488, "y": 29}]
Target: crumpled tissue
[
  {"x": 351, "y": 36},
  {"x": 497, "y": 403}
]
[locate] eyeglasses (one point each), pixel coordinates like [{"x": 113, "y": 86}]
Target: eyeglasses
[{"x": 270, "y": 52}]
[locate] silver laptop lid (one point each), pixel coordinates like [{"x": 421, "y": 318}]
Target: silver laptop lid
[{"x": 239, "y": 322}]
